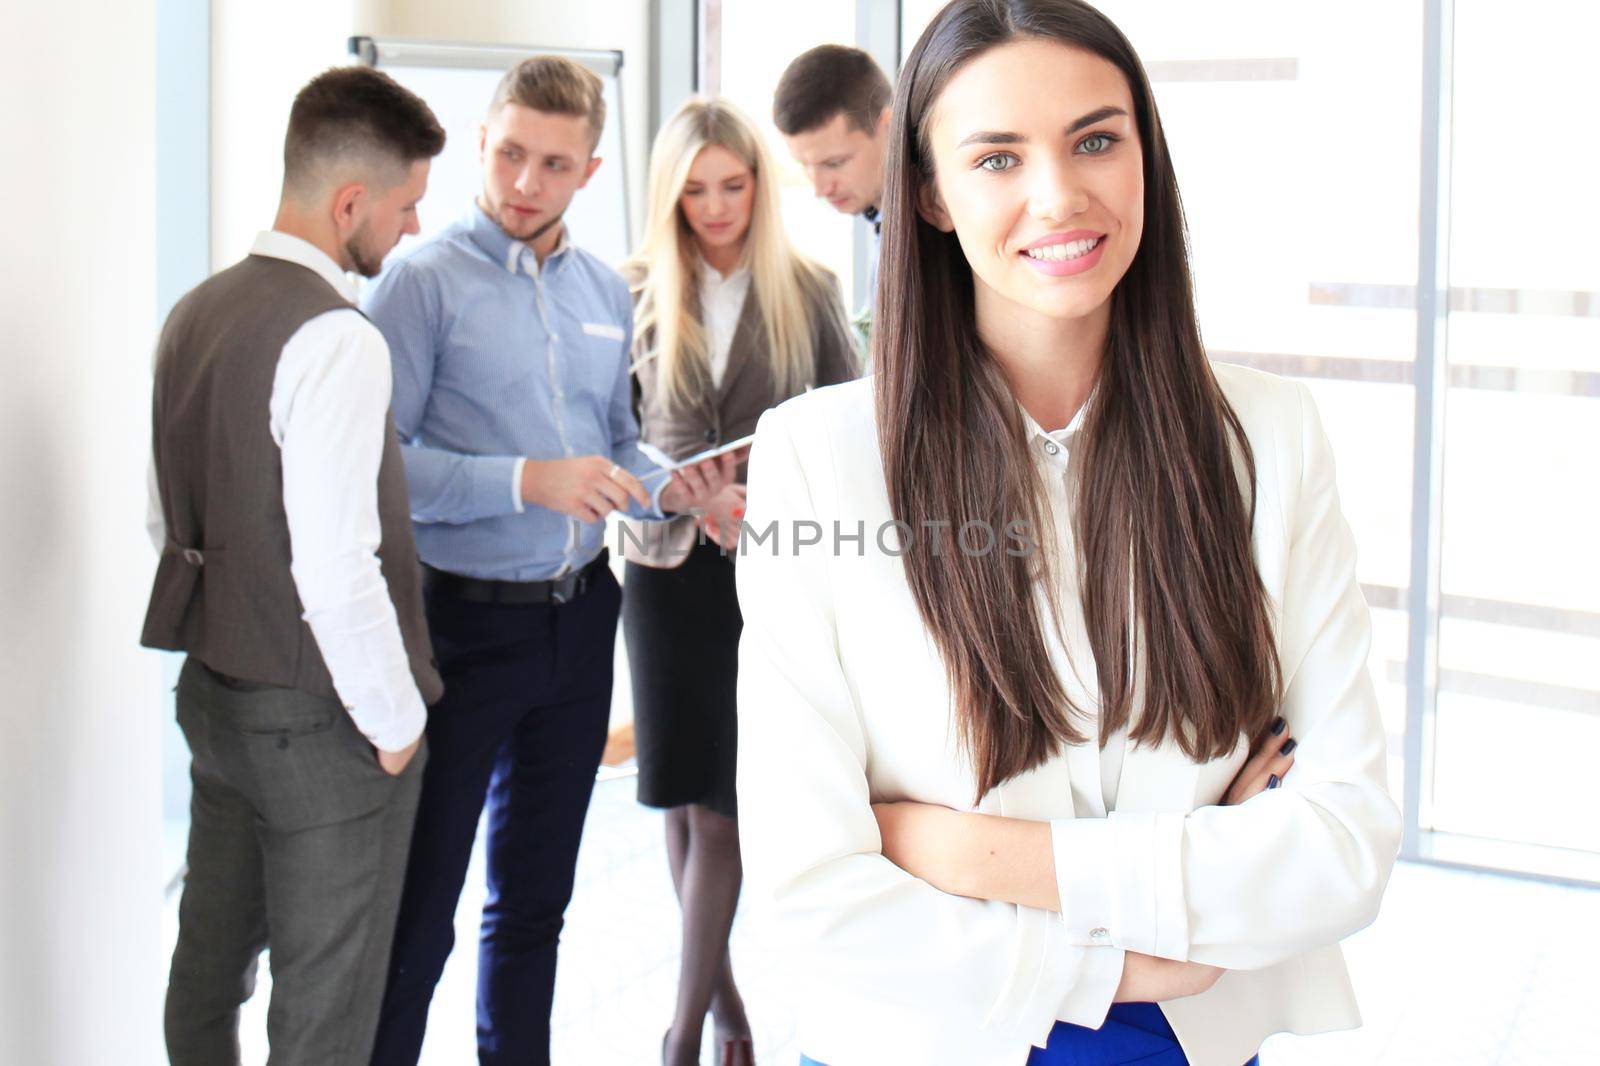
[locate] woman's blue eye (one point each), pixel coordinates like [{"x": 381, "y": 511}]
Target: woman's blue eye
[
  {"x": 1096, "y": 143},
  {"x": 997, "y": 163}
]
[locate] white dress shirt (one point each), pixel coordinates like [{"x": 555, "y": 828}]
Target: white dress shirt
[
  {"x": 721, "y": 303},
  {"x": 328, "y": 412},
  {"x": 843, "y": 702}
]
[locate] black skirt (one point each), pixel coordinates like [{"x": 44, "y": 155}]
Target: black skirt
[{"x": 682, "y": 628}]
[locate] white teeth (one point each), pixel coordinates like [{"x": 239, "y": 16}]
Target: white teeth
[{"x": 1069, "y": 250}]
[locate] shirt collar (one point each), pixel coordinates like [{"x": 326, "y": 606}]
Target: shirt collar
[
  {"x": 712, "y": 278},
  {"x": 506, "y": 250},
  {"x": 275, "y": 244},
  {"x": 1061, "y": 439}
]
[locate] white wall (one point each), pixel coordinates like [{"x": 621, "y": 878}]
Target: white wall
[
  {"x": 261, "y": 54},
  {"x": 80, "y": 892}
]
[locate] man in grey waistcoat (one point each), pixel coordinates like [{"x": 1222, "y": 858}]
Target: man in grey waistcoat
[{"x": 289, "y": 575}]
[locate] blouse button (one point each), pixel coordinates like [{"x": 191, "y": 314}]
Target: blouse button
[
  {"x": 1099, "y": 932},
  {"x": 1051, "y": 447}
]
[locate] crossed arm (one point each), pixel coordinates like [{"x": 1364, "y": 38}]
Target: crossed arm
[{"x": 1011, "y": 860}]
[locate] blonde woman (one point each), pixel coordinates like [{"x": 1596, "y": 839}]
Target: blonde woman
[{"x": 728, "y": 321}]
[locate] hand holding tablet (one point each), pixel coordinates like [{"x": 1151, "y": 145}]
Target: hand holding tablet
[{"x": 669, "y": 465}]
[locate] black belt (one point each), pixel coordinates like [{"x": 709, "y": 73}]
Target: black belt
[{"x": 556, "y": 591}]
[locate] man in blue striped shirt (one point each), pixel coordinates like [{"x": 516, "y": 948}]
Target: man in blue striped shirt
[{"x": 514, "y": 405}]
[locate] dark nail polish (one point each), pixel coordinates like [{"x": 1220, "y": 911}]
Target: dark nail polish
[
  {"x": 1274, "y": 781},
  {"x": 1288, "y": 746},
  {"x": 1277, "y": 726}
]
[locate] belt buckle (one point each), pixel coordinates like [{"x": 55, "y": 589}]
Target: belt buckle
[{"x": 565, "y": 589}]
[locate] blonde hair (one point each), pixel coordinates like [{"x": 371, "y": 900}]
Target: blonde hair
[
  {"x": 664, "y": 269},
  {"x": 555, "y": 85}
]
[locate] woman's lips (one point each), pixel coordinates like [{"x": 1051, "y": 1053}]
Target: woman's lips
[{"x": 1062, "y": 258}]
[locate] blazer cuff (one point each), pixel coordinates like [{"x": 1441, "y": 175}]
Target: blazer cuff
[
  {"x": 1120, "y": 880},
  {"x": 1043, "y": 971},
  {"x": 1089, "y": 1000}
]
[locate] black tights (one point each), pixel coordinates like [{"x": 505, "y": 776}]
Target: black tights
[{"x": 703, "y": 854}]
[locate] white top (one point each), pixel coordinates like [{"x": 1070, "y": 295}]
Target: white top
[
  {"x": 1054, "y": 450},
  {"x": 721, "y": 303},
  {"x": 843, "y": 702},
  {"x": 330, "y": 399}
]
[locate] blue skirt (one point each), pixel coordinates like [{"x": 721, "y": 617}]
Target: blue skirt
[{"x": 1133, "y": 1032}]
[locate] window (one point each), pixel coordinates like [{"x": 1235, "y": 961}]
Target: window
[{"x": 1519, "y": 640}]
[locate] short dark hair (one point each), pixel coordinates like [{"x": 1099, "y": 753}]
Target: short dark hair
[
  {"x": 830, "y": 80},
  {"x": 356, "y": 114},
  {"x": 555, "y": 85}
]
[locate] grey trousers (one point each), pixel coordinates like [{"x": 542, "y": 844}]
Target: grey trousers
[{"x": 297, "y": 844}]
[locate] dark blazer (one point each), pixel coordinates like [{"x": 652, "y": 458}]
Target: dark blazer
[{"x": 729, "y": 411}]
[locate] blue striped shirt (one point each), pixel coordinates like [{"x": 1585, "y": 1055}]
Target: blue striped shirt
[{"x": 498, "y": 359}]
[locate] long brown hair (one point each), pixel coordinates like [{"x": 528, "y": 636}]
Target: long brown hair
[{"x": 1165, "y": 504}]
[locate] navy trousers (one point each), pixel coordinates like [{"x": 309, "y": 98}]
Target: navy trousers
[
  {"x": 521, "y": 728},
  {"x": 1132, "y": 1033}
]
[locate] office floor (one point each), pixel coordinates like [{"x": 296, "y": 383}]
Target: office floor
[{"x": 1460, "y": 970}]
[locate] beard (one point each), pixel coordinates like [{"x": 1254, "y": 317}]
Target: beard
[
  {"x": 364, "y": 260},
  {"x": 529, "y": 234},
  {"x": 540, "y": 231}
]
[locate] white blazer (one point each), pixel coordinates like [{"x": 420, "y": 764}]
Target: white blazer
[{"x": 843, "y": 703}]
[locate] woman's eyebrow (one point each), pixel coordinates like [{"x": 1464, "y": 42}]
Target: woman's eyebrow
[
  {"x": 1098, "y": 115},
  {"x": 992, "y": 137},
  {"x": 1002, "y": 137}
]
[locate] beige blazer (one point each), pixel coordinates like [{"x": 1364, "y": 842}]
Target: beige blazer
[
  {"x": 728, "y": 411},
  {"x": 843, "y": 702}
]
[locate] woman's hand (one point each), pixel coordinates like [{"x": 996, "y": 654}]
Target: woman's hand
[
  {"x": 1270, "y": 758},
  {"x": 1147, "y": 979},
  {"x": 693, "y": 487},
  {"x": 724, "y": 514}
]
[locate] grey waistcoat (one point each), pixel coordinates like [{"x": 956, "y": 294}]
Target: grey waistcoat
[{"x": 223, "y": 591}]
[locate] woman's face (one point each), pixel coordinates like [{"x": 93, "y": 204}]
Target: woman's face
[
  {"x": 1038, "y": 171},
  {"x": 717, "y": 198}
]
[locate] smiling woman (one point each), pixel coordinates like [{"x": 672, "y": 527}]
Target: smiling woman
[{"x": 1038, "y": 805}]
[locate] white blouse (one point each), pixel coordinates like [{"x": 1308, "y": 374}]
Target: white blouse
[
  {"x": 843, "y": 702},
  {"x": 1054, "y": 452},
  {"x": 721, "y": 303}
]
